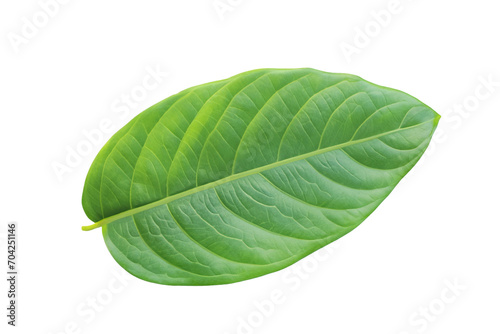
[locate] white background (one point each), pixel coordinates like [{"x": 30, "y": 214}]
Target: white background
[{"x": 439, "y": 227}]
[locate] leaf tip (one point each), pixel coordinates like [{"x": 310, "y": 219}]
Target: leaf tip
[{"x": 436, "y": 119}]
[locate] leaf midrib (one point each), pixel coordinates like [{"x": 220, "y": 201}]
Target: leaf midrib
[{"x": 234, "y": 177}]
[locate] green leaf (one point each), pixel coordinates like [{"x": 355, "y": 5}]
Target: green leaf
[{"x": 242, "y": 177}]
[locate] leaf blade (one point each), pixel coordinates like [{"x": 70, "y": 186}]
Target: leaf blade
[{"x": 328, "y": 149}]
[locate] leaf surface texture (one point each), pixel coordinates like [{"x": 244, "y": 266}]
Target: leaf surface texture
[{"x": 241, "y": 177}]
